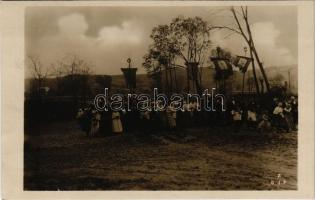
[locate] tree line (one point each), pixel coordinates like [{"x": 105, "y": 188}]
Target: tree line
[{"x": 70, "y": 74}]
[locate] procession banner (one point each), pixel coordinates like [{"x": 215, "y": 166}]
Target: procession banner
[
  {"x": 242, "y": 63},
  {"x": 130, "y": 77},
  {"x": 222, "y": 66}
]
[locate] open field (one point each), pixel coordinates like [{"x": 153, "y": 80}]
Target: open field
[{"x": 60, "y": 157}]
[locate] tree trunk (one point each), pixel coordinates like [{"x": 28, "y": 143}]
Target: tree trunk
[
  {"x": 261, "y": 68},
  {"x": 243, "y": 84},
  {"x": 175, "y": 77},
  {"x": 198, "y": 87},
  {"x": 254, "y": 72},
  {"x": 253, "y": 49},
  {"x": 166, "y": 81},
  {"x": 171, "y": 80},
  {"x": 262, "y": 86},
  {"x": 250, "y": 42},
  {"x": 188, "y": 85}
]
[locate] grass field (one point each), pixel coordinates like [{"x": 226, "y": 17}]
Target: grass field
[{"x": 60, "y": 157}]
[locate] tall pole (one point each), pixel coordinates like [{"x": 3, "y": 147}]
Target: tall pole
[
  {"x": 245, "y": 50},
  {"x": 254, "y": 72},
  {"x": 289, "y": 77},
  {"x": 250, "y": 42},
  {"x": 188, "y": 84},
  {"x": 129, "y": 63},
  {"x": 262, "y": 86},
  {"x": 129, "y": 66}
]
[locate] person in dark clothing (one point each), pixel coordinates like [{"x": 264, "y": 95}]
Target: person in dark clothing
[
  {"x": 294, "y": 105},
  {"x": 87, "y": 120},
  {"x": 279, "y": 119},
  {"x": 287, "y": 111},
  {"x": 106, "y": 123}
]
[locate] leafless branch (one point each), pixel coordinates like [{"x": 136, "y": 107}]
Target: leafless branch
[
  {"x": 239, "y": 25},
  {"x": 225, "y": 27}
]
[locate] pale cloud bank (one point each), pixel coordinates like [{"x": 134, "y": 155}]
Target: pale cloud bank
[
  {"x": 114, "y": 42},
  {"x": 265, "y": 36},
  {"x": 111, "y": 41}
]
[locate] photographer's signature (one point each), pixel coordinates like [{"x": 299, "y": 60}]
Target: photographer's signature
[{"x": 278, "y": 181}]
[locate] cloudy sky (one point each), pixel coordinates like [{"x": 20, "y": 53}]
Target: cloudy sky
[{"x": 107, "y": 36}]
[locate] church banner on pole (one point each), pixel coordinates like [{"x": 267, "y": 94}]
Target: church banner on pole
[{"x": 242, "y": 63}]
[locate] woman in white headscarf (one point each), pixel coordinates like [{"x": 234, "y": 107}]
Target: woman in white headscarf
[
  {"x": 171, "y": 117},
  {"x": 117, "y": 126},
  {"x": 95, "y": 122}
]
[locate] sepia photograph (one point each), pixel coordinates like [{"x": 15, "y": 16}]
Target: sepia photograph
[
  {"x": 161, "y": 98},
  {"x": 157, "y": 99}
]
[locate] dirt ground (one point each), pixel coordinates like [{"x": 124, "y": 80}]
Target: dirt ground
[{"x": 61, "y": 157}]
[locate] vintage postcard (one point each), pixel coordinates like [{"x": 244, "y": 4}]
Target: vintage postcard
[{"x": 157, "y": 99}]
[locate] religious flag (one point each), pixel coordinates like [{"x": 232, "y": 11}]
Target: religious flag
[
  {"x": 242, "y": 63},
  {"x": 130, "y": 77},
  {"x": 222, "y": 65}
]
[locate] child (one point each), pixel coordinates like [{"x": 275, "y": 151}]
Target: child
[{"x": 264, "y": 125}]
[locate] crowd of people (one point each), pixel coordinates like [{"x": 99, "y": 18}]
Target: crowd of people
[
  {"x": 280, "y": 116},
  {"x": 277, "y": 115}
]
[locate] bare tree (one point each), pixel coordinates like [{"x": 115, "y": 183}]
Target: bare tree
[
  {"x": 242, "y": 19},
  {"x": 58, "y": 72},
  {"x": 76, "y": 71},
  {"x": 73, "y": 65},
  {"x": 39, "y": 72}
]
